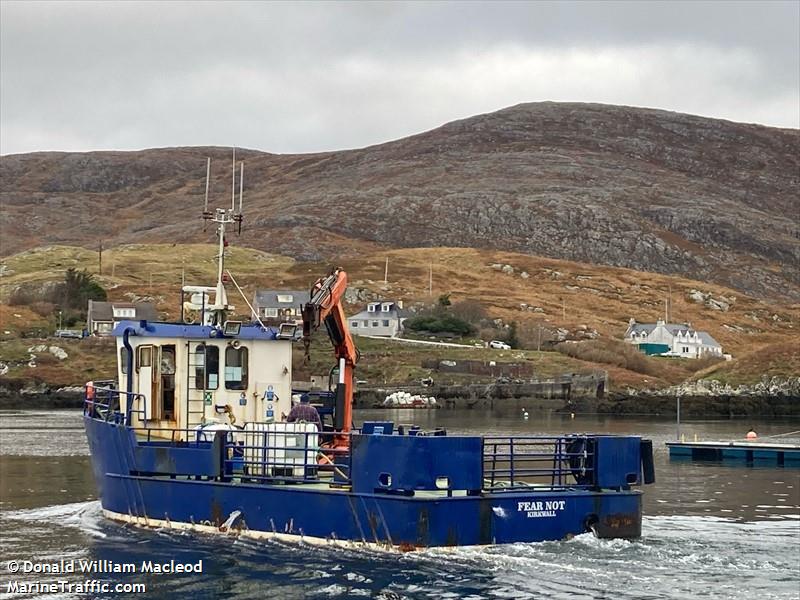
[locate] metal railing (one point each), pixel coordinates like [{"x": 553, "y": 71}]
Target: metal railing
[
  {"x": 261, "y": 455},
  {"x": 286, "y": 452},
  {"x": 103, "y": 401},
  {"x": 520, "y": 462}
]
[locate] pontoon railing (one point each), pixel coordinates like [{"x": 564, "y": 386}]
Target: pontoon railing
[{"x": 517, "y": 462}]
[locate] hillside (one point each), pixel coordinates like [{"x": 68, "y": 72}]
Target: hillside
[
  {"x": 644, "y": 189},
  {"x": 542, "y": 295}
]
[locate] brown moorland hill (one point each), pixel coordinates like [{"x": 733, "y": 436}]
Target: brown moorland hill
[{"x": 645, "y": 189}]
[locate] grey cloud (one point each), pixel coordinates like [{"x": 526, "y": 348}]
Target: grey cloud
[{"x": 296, "y": 77}]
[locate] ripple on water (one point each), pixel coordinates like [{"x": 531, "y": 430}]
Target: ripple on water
[{"x": 678, "y": 557}]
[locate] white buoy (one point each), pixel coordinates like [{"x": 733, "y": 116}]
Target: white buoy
[{"x": 525, "y": 415}]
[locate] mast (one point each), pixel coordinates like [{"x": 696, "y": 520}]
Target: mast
[{"x": 214, "y": 314}]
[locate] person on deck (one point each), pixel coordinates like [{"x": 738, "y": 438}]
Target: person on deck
[
  {"x": 751, "y": 435},
  {"x": 304, "y": 412}
]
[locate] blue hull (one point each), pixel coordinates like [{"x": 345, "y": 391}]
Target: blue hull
[{"x": 422, "y": 520}]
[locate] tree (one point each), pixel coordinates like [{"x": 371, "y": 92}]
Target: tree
[
  {"x": 511, "y": 338},
  {"x": 78, "y": 288}
]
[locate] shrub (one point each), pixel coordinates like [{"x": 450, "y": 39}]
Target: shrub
[
  {"x": 43, "y": 309},
  {"x": 22, "y": 296},
  {"x": 470, "y": 311},
  {"x": 618, "y": 354},
  {"x": 439, "y": 323}
]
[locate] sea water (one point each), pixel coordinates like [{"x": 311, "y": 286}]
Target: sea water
[{"x": 710, "y": 530}]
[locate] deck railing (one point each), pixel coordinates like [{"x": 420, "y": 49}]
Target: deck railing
[
  {"x": 104, "y": 401},
  {"x": 260, "y": 452},
  {"x": 287, "y": 452},
  {"x": 264, "y": 454},
  {"x": 516, "y": 462}
]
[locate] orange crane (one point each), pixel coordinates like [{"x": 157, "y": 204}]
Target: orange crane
[{"x": 325, "y": 306}]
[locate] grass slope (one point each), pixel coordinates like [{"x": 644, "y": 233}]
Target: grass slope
[{"x": 552, "y": 293}]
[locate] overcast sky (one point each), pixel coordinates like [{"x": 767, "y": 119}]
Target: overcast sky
[{"x": 303, "y": 77}]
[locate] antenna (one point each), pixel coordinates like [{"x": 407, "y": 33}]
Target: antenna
[
  {"x": 214, "y": 314},
  {"x": 238, "y": 216},
  {"x": 233, "y": 180},
  {"x": 206, "y": 214}
]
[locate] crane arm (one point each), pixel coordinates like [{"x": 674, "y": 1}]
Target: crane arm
[{"x": 325, "y": 306}]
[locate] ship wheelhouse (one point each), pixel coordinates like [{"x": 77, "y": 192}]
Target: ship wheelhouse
[{"x": 187, "y": 376}]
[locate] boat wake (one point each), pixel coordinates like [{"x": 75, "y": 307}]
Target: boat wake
[{"x": 677, "y": 557}]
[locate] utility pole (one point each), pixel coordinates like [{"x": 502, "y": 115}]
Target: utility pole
[
  {"x": 386, "y": 272},
  {"x": 430, "y": 281},
  {"x": 100, "y": 258},
  {"x": 539, "y": 341},
  {"x": 669, "y": 303}
]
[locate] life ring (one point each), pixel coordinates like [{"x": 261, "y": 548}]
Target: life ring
[{"x": 580, "y": 459}]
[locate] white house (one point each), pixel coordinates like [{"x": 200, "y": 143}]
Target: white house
[
  {"x": 383, "y": 318},
  {"x": 672, "y": 339}
]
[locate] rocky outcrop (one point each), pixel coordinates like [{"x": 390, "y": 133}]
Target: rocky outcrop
[
  {"x": 645, "y": 189},
  {"x": 768, "y": 386}
]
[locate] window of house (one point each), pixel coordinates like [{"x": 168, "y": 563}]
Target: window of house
[
  {"x": 285, "y": 298},
  {"x": 353, "y": 323},
  {"x": 104, "y": 327},
  {"x": 386, "y": 322},
  {"x": 235, "y": 368},
  {"x": 375, "y": 324},
  {"x": 123, "y": 360},
  {"x": 270, "y": 312},
  {"x": 685, "y": 349},
  {"x": 386, "y": 306},
  {"x": 206, "y": 367},
  {"x": 123, "y": 313},
  {"x": 371, "y": 307}
]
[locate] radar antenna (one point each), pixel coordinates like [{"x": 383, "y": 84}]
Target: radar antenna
[{"x": 214, "y": 313}]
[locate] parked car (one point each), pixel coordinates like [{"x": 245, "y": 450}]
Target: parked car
[
  {"x": 498, "y": 345},
  {"x": 69, "y": 333}
]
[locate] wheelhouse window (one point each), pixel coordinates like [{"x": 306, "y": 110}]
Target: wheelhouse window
[
  {"x": 123, "y": 360},
  {"x": 235, "y": 368},
  {"x": 206, "y": 368},
  {"x": 145, "y": 357}
]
